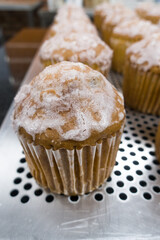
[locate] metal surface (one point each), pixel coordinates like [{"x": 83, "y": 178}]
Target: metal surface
[{"x": 126, "y": 207}]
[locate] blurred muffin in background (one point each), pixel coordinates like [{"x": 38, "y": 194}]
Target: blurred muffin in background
[
  {"x": 87, "y": 48},
  {"x": 126, "y": 33},
  {"x": 141, "y": 84},
  {"x": 149, "y": 11}
]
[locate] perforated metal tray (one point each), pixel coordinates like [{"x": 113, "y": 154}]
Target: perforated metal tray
[{"x": 127, "y": 206}]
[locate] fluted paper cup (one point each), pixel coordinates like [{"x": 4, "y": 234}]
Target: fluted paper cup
[
  {"x": 141, "y": 89},
  {"x": 72, "y": 172}
]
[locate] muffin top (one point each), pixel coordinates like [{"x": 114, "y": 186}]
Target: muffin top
[
  {"x": 146, "y": 53},
  {"x": 70, "y": 12},
  {"x": 135, "y": 29},
  {"x": 69, "y": 26},
  {"x": 102, "y": 9},
  {"x": 67, "y": 101},
  {"x": 148, "y": 9},
  {"x": 86, "y": 48},
  {"x": 116, "y": 14}
]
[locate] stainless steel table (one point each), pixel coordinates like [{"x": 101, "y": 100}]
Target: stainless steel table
[
  {"x": 126, "y": 207},
  {"x": 28, "y": 6}
]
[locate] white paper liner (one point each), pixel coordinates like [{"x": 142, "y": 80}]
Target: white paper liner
[{"x": 72, "y": 172}]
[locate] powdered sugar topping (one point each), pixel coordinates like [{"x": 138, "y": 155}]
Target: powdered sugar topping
[
  {"x": 149, "y": 9},
  {"x": 117, "y": 14},
  {"x": 70, "y": 98},
  {"x": 146, "y": 53},
  {"x": 86, "y": 48},
  {"x": 136, "y": 27},
  {"x": 67, "y": 27}
]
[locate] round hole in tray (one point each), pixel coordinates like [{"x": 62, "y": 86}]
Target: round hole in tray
[
  {"x": 148, "y": 167},
  {"x": 116, "y": 163},
  {"x": 137, "y": 141},
  {"x": 125, "y": 131},
  {"x": 148, "y": 145},
  {"x": 155, "y": 125},
  {"x": 98, "y": 197},
  {"x": 74, "y": 198},
  {"x": 17, "y": 180},
  {"x": 22, "y": 160},
  {"x": 49, "y": 198},
  {"x": 124, "y": 158},
  {"x": 139, "y": 125},
  {"x": 109, "y": 179},
  {"x": 132, "y": 153},
  {"x": 134, "y": 134},
  {"x": 135, "y": 162},
  {"x": 145, "y": 138},
  {"x": 123, "y": 196},
  {"x": 25, "y": 199},
  {"x": 152, "y": 134},
  {"x": 118, "y": 173},
  {"x": 129, "y": 122},
  {"x": 152, "y": 153},
  {"x": 129, "y": 145},
  {"x": 27, "y": 186},
  {"x": 14, "y": 193},
  {"x": 144, "y": 158},
  {"x": 141, "y": 131},
  {"x": 147, "y": 196},
  {"x": 126, "y": 167},
  {"x": 129, "y": 178},
  {"x": 152, "y": 177},
  {"x": 121, "y": 149},
  {"x": 155, "y": 162},
  {"x": 109, "y": 190},
  {"x": 140, "y": 149},
  {"x": 143, "y": 183},
  {"x": 20, "y": 169},
  {"x": 133, "y": 189},
  {"x": 29, "y": 175},
  {"x": 156, "y": 189},
  {"x": 38, "y": 192},
  {"x": 127, "y": 138},
  {"x": 132, "y": 128},
  {"x": 120, "y": 184},
  {"x": 148, "y": 128},
  {"x": 139, "y": 172},
  {"x": 152, "y": 119},
  {"x": 158, "y": 171}
]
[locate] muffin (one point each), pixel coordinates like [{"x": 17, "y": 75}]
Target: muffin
[
  {"x": 115, "y": 15},
  {"x": 158, "y": 143},
  {"x": 141, "y": 84},
  {"x": 67, "y": 27},
  {"x": 75, "y": 47},
  {"x": 100, "y": 13},
  {"x": 149, "y": 11},
  {"x": 125, "y": 34},
  {"x": 69, "y": 120}
]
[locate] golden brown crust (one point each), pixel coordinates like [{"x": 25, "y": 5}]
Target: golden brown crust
[
  {"x": 45, "y": 139},
  {"x": 88, "y": 108}
]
